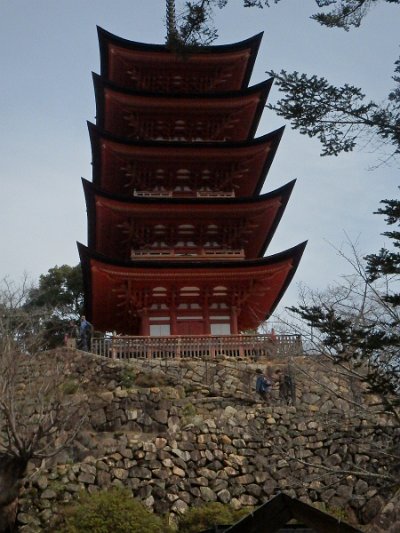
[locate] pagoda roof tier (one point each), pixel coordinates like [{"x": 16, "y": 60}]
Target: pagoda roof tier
[
  {"x": 133, "y": 167},
  {"x": 224, "y": 117},
  {"x": 157, "y": 68},
  {"x": 161, "y": 228},
  {"x": 116, "y": 291}
]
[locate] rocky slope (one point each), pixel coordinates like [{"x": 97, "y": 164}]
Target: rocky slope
[{"x": 180, "y": 433}]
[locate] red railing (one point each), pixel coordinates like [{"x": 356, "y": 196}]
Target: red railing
[
  {"x": 185, "y": 253},
  {"x": 198, "y": 346},
  {"x": 198, "y": 194}
]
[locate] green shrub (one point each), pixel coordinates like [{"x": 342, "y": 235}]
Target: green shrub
[
  {"x": 127, "y": 378},
  {"x": 189, "y": 410},
  {"x": 206, "y": 516},
  {"x": 111, "y": 511},
  {"x": 336, "y": 512},
  {"x": 70, "y": 386}
]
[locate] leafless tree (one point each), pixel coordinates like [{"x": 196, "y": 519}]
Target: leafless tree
[
  {"x": 38, "y": 418},
  {"x": 354, "y": 325},
  {"x": 351, "y": 330}
]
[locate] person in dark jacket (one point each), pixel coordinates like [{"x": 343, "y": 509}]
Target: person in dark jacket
[
  {"x": 85, "y": 331},
  {"x": 263, "y": 385},
  {"x": 287, "y": 389}
]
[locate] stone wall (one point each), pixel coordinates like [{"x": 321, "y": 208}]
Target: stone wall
[{"x": 180, "y": 433}]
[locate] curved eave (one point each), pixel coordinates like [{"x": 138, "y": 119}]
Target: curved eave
[
  {"x": 101, "y": 83},
  {"x": 129, "y": 268},
  {"x": 293, "y": 253},
  {"x": 262, "y": 89},
  {"x": 97, "y": 135},
  {"x": 178, "y": 207},
  {"x": 92, "y": 190},
  {"x": 106, "y": 38}
]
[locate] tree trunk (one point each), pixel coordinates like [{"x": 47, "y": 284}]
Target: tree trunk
[{"x": 12, "y": 470}]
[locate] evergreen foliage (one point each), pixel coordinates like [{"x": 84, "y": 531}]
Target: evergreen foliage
[
  {"x": 196, "y": 27},
  {"x": 340, "y": 117},
  {"x": 60, "y": 289},
  {"x": 386, "y": 262},
  {"x": 359, "y": 321},
  {"x": 345, "y": 13},
  {"x": 60, "y": 294},
  {"x": 114, "y": 510},
  {"x": 206, "y": 516}
]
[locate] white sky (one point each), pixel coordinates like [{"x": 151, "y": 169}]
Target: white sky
[{"x": 48, "y": 49}]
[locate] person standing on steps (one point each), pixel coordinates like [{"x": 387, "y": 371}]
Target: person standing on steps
[
  {"x": 287, "y": 387},
  {"x": 263, "y": 385},
  {"x": 85, "y": 332}
]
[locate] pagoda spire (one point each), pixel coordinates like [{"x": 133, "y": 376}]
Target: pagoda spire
[{"x": 172, "y": 34}]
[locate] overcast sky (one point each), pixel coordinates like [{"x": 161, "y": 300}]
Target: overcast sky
[{"x": 48, "y": 49}]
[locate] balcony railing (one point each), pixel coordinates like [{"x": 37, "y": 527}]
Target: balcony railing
[
  {"x": 187, "y": 253},
  {"x": 152, "y": 194},
  {"x": 184, "y": 194},
  {"x": 216, "y": 194},
  {"x": 198, "y": 346}
]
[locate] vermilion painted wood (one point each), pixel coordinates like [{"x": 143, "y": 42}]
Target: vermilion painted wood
[{"x": 176, "y": 226}]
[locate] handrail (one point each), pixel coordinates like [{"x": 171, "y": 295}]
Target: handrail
[
  {"x": 184, "y": 253},
  {"x": 170, "y": 194},
  {"x": 215, "y": 194},
  {"x": 198, "y": 346},
  {"x": 152, "y": 194}
]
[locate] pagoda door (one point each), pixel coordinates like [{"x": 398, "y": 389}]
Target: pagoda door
[{"x": 190, "y": 327}]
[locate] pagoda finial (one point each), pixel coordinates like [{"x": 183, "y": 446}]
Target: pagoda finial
[{"x": 171, "y": 22}]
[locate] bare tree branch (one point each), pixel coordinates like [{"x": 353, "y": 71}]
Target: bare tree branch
[{"x": 38, "y": 418}]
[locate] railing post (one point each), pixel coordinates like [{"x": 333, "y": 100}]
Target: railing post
[
  {"x": 241, "y": 350},
  {"x": 149, "y": 348},
  {"x": 113, "y": 353},
  {"x": 213, "y": 347}
]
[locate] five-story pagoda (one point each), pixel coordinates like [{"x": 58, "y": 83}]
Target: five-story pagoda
[{"x": 177, "y": 227}]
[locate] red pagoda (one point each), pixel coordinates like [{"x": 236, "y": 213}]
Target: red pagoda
[{"x": 177, "y": 227}]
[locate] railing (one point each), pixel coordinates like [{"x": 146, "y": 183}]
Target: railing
[
  {"x": 181, "y": 194},
  {"x": 152, "y": 194},
  {"x": 185, "y": 253},
  {"x": 198, "y": 346},
  {"x": 215, "y": 194}
]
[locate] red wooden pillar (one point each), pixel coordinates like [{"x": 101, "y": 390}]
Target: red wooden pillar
[
  {"x": 206, "y": 322},
  {"x": 234, "y": 321},
  {"x": 234, "y": 327},
  {"x": 206, "y": 314},
  {"x": 146, "y": 328},
  {"x": 172, "y": 313},
  {"x": 173, "y": 323},
  {"x": 145, "y": 324}
]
